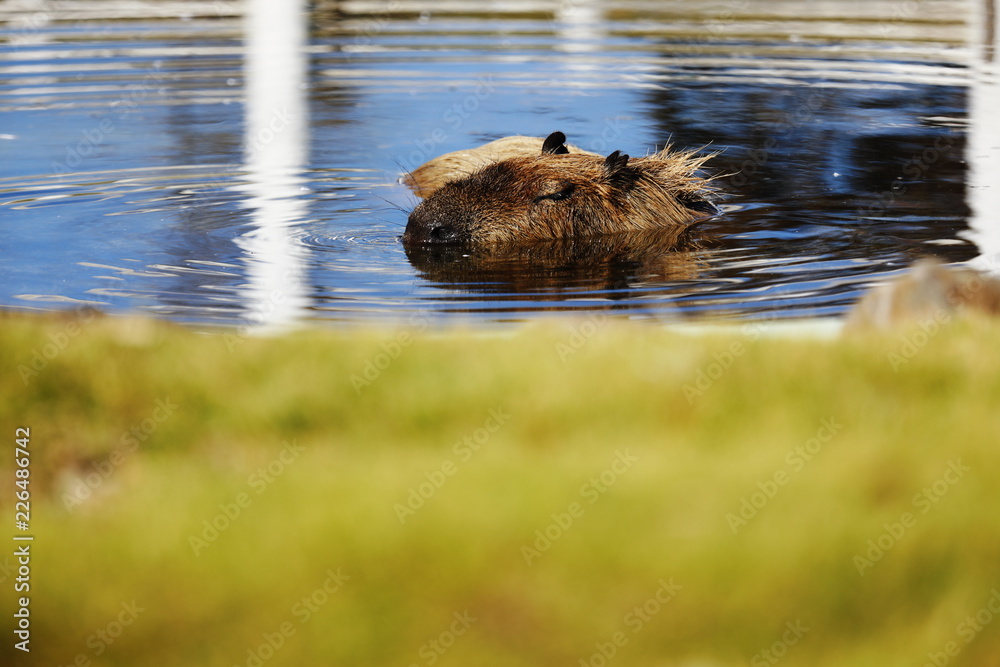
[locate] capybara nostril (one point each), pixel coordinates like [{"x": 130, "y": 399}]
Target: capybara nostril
[{"x": 443, "y": 234}]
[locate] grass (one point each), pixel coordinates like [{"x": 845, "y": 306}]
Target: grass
[{"x": 539, "y": 498}]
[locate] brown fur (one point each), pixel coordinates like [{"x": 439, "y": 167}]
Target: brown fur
[
  {"x": 558, "y": 194},
  {"x": 428, "y": 178},
  {"x": 928, "y": 291}
]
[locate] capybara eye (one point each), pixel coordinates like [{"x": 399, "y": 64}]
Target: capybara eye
[{"x": 559, "y": 195}]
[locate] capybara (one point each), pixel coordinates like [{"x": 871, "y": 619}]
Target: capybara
[
  {"x": 930, "y": 293},
  {"x": 560, "y": 194}
]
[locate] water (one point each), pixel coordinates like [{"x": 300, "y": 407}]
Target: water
[{"x": 226, "y": 163}]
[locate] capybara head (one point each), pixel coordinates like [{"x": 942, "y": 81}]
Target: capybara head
[{"x": 559, "y": 195}]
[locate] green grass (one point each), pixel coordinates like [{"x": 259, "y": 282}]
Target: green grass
[{"x": 636, "y": 479}]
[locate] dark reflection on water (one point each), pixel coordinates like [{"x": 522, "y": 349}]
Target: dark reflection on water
[
  {"x": 864, "y": 152},
  {"x": 130, "y": 177},
  {"x": 612, "y": 266}
]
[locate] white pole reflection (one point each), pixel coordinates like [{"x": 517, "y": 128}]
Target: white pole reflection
[
  {"x": 580, "y": 26},
  {"x": 275, "y": 151},
  {"x": 983, "y": 149}
]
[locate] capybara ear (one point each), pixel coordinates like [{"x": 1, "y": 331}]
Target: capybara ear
[
  {"x": 620, "y": 175},
  {"x": 555, "y": 144},
  {"x": 616, "y": 162}
]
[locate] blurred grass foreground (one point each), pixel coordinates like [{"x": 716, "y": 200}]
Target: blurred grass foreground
[{"x": 593, "y": 493}]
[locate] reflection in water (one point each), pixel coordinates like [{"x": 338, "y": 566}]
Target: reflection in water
[
  {"x": 983, "y": 151},
  {"x": 580, "y": 25},
  {"x": 275, "y": 152},
  {"x": 610, "y": 267}
]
